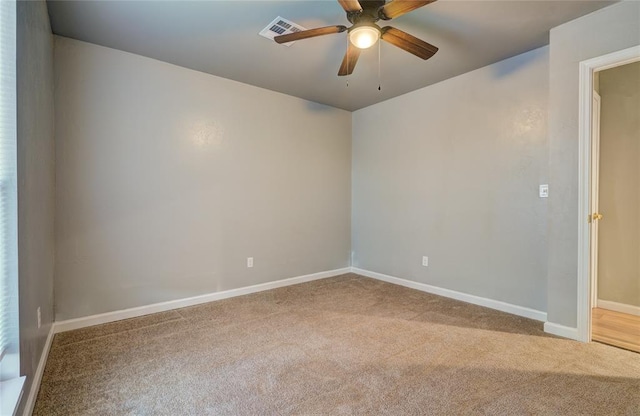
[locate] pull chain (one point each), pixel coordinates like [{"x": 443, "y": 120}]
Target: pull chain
[
  {"x": 379, "y": 77},
  {"x": 348, "y": 75}
]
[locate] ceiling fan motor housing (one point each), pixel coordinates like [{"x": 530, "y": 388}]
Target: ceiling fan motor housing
[{"x": 371, "y": 12}]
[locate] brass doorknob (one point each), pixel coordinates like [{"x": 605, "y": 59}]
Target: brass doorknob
[{"x": 596, "y": 217}]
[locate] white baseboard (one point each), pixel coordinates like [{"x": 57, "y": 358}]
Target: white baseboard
[
  {"x": 104, "y": 318},
  {"x": 561, "y": 330},
  {"x": 618, "y": 307},
  {"x": 465, "y": 297},
  {"x": 37, "y": 376}
]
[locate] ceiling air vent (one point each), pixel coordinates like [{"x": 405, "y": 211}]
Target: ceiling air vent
[{"x": 280, "y": 26}]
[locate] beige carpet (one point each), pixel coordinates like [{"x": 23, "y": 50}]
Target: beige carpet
[{"x": 344, "y": 345}]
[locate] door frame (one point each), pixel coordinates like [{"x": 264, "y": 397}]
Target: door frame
[
  {"x": 594, "y": 196},
  {"x": 587, "y": 69}
]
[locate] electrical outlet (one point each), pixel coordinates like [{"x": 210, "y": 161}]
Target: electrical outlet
[
  {"x": 249, "y": 261},
  {"x": 39, "y": 317},
  {"x": 425, "y": 261}
]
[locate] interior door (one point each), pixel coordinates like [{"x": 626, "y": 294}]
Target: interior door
[{"x": 595, "y": 182}]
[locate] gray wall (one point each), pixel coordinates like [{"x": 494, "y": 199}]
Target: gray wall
[
  {"x": 169, "y": 178},
  {"x": 451, "y": 171},
  {"x": 619, "y": 231},
  {"x": 36, "y": 181},
  {"x": 607, "y": 30}
]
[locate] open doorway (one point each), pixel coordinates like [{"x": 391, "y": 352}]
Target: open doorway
[
  {"x": 585, "y": 285},
  {"x": 615, "y": 206}
]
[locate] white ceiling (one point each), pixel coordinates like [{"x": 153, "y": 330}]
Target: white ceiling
[{"x": 221, "y": 38}]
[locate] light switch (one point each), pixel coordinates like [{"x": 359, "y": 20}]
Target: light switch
[{"x": 544, "y": 191}]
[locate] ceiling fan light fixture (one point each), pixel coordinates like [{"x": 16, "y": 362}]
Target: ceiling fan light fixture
[{"x": 364, "y": 37}]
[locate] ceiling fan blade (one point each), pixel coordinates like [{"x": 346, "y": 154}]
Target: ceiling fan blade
[
  {"x": 397, "y": 8},
  {"x": 350, "y": 5},
  {"x": 349, "y": 61},
  {"x": 409, "y": 43},
  {"x": 311, "y": 33}
]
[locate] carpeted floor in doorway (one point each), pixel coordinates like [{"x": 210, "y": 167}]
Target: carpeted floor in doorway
[{"x": 344, "y": 345}]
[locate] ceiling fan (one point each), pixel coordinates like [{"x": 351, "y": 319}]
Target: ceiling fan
[{"x": 364, "y": 31}]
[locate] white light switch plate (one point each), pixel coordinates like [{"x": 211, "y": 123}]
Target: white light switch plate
[{"x": 544, "y": 191}]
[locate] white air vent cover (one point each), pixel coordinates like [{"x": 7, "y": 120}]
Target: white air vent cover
[{"x": 281, "y": 26}]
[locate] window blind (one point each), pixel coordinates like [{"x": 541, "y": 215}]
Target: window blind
[{"x": 9, "y": 345}]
